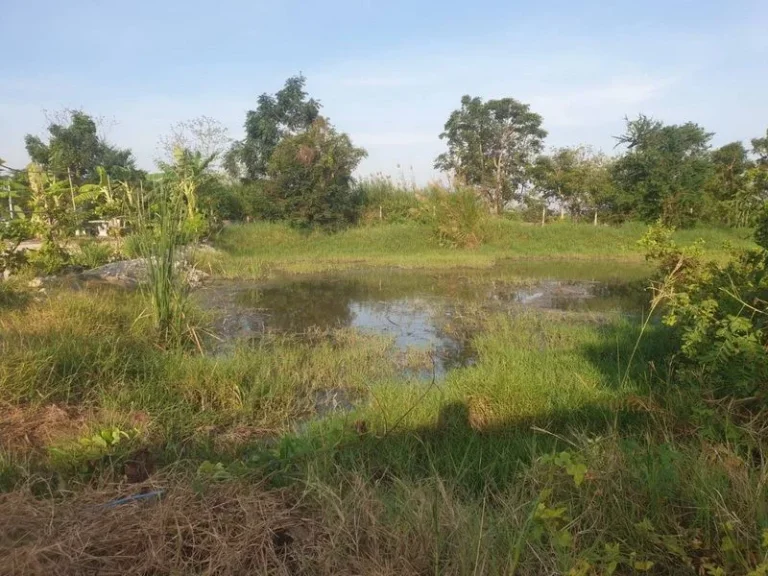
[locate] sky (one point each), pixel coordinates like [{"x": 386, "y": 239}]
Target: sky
[{"x": 388, "y": 72}]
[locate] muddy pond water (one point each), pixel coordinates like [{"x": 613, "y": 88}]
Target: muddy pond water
[{"x": 419, "y": 310}]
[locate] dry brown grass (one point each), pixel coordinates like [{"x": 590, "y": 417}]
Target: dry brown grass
[
  {"x": 33, "y": 427},
  {"x": 26, "y": 428},
  {"x": 227, "y": 529}
]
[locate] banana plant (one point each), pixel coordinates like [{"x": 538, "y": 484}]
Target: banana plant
[
  {"x": 109, "y": 200},
  {"x": 188, "y": 173},
  {"x": 52, "y": 212}
]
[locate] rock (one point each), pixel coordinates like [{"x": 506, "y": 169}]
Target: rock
[
  {"x": 195, "y": 277},
  {"x": 123, "y": 272},
  {"x": 35, "y": 283},
  {"x": 131, "y": 273}
]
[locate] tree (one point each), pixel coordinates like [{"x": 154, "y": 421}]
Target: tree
[
  {"x": 491, "y": 146},
  {"x": 285, "y": 114},
  {"x": 736, "y": 201},
  {"x": 310, "y": 176},
  {"x": 75, "y": 150},
  {"x": 760, "y": 149},
  {"x": 577, "y": 179},
  {"x": 664, "y": 171},
  {"x": 758, "y": 175},
  {"x": 203, "y": 134}
]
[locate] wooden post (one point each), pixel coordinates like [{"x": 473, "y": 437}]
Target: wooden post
[
  {"x": 543, "y": 215},
  {"x": 595, "y": 217},
  {"x": 381, "y": 217}
]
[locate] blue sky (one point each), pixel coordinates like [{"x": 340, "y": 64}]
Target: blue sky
[{"x": 386, "y": 72}]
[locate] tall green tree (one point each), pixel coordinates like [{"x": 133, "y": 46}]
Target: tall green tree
[
  {"x": 287, "y": 113},
  {"x": 735, "y": 199},
  {"x": 491, "y": 147},
  {"x": 577, "y": 180},
  {"x": 310, "y": 177},
  {"x": 664, "y": 171},
  {"x": 759, "y": 173},
  {"x": 74, "y": 150},
  {"x": 760, "y": 149}
]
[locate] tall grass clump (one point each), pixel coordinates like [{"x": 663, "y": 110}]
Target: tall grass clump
[
  {"x": 457, "y": 217},
  {"x": 385, "y": 201},
  {"x": 159, "y": 236},
  {"x": 93, "y": 254}
]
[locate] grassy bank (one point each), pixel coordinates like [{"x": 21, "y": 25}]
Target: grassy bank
[
  {"x": 256, "y": 250},
  {"x": 553, "y": 453}
]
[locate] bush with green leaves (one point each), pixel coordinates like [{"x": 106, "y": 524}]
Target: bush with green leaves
[
  {"x": 720, "y": 312},
  {"x": 12, "y": 234},
  {"x": 310, "y": 177}
]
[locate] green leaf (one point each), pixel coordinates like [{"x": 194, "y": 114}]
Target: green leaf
[
  {"x": 643, "y": 565},
  {"x": 563, "y": 539},
  {"x": 578, "y": 472}
]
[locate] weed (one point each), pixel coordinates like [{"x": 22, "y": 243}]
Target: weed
[{"x": 93, "y": 254}]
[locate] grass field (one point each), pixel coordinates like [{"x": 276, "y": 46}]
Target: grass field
[
  {"x": 567, "y": 447},
  {"x": 256, "y": 250}
]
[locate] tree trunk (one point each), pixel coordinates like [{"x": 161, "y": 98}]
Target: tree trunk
[
  {"x": 543, "y": 215},
  {"x": 595, "y": 217}
]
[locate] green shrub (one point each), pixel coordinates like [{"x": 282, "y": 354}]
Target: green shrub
[
  {"x": 720, "y": 312},
  {"x": 12, "y": 234},
  {"x": 258, "y": 205},
  {"x": 93, "y": 254},
  {"x": 49, "y": 259},
  {"x": 193, "y": 228},
  {"x": 223, "y": 200},
  {"x": 310, "y": 177}
]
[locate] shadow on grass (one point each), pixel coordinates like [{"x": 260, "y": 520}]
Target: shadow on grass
[
  {"x": 477, "y": 452},
  {"x": 464, "y": 443}
]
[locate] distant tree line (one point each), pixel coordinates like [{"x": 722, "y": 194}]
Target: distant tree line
[
  {"x": 666, "y": 172},
  {"x": 293, "y": 165}
]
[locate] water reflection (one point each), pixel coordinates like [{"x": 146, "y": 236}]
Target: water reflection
[{"x": 417, "y": 309}]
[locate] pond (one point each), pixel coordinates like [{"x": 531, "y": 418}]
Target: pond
[{"x": 417, "y": 309}]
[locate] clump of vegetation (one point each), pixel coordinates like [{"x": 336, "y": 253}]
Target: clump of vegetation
[
  {"x": 92, "y": 254},
  {"x": 12, "y": 234},
  {"x": 384, "y": 201},
  {"x": 310, "y": 177},
  {"x": 457, "y": 218},
  {"x": 159, "y": 236},
  {"x": 720, "y": 311}
]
